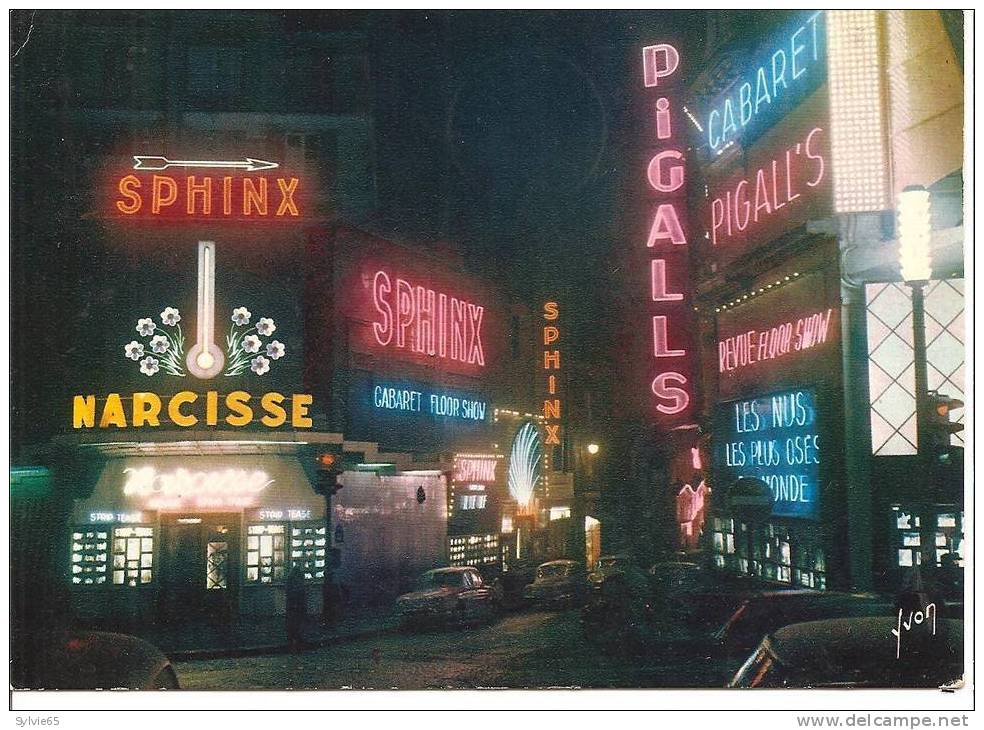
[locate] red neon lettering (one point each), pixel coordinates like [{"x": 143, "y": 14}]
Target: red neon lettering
[
  {"x": 253, "y": 198},
  {"x": 658, "y": 276},
  {"x": 655, "y": 171},
  {"x": 203, "y": 189},
  {"x": 551, "y": 311},
  {"x": 550, "y": 334},
  {"x": 663, "y": 124},
  {"x": 423, "y": 321},
  {"x": 551, "y": 360},
  {"x": 128, "y": 189},
  {"x": 551, "y": 408},
  {"x": 679, "y": 397},
  {"x": 227, "y": 196},
  {"x": 474, "y": 470},
  {"x": 666, "y": 226},
  {"x": 658, "y": 62},
  {"x": 380, "y": 288},
  {"x": 287, "y": 190},
  {"x": 748, "y": 348},
  {"x": 159, "y": 199},
  {"x": 660, "y": 347},
  {"x": 553, "y": 435}
]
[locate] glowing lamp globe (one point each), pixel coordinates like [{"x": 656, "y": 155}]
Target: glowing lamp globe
[{"x": 915, "y": 258}]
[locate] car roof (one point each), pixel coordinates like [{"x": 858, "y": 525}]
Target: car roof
[
  {"x": 558, "y": 562},
  {"x": 675, "y": 564},
  {"x": 852, "y": 641},
  {"x": 452, "y": 569}
]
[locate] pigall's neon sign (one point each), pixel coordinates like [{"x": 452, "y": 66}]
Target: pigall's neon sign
[
  {"x": 418, "y": 319},
  {"x": 667, "y": 239}
]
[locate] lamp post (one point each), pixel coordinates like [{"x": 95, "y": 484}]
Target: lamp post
[{"x": 916, "y": 264}]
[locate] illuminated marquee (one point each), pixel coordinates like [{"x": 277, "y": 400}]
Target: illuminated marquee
[
  {"x": 776, "y": 439},
  {"x": 207, "y": 196},
  {"x": 667, "y": 242},
  {"x": 184, "y": 488},
  {"x": 785, "y": 180},
  {"x": 788, "y": 68},
  {"x": 551, "y": 362},
  {"x": 475, "y": 469},
  {"x": 421, "y": 320},
  {"x": 184, "y": 409},
  {"x": 753, "y": 346}
]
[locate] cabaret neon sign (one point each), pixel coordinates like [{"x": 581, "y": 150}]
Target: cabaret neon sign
[
  {"x": 551, "y": 361},
  {"x": 747, "y": 348},
  {"x": 787, "y": 69},
  {"x": 786, "y": 180},
  {"x": 146, "y": 409},
  {"x": 665, "y": 174},
  {"x": 422, "y": 320},
  {"x": 444, "y": 405},
  {"x": 183, "y": 488}
]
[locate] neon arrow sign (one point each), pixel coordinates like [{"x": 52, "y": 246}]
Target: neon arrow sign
[{"x": 147, "y": 162}]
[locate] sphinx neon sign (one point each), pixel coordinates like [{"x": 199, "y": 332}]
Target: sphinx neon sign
[
  {"x": 422, "y": 320},
  {"x": 183, "y": 488},
  {"x": 474, "y": 469},
  {"x": 666, "y": 175}
]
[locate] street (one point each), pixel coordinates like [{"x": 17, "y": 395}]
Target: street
[{"x": 538, "y": 649}]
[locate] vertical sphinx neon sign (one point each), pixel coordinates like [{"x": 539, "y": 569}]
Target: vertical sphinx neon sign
[{"x": 666, "y": 242}]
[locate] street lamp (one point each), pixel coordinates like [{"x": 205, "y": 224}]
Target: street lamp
[
  {"x": 593, "y": 449},
  {"x": 916, "y": 264}
]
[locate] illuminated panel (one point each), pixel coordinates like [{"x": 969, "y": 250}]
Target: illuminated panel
[
  {"x": 475, "y": 469},
  {"x": 417, "y": 398},
  {"x": 665, "y": 244},
  {"x": 184, "y": 488},
  {"x": 857, "y": 112},
  {"x": 776, "y": 439},
  {"x": 891, "y": 383}
]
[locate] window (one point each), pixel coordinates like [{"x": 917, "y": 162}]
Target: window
[
  {"x": 89, "y": 555},
  {"x": 265, "y": 553},
  {"x": 308, "y": 549},
  {"x": 473, "y": 550},
  {"x": 133, "y": 555},
  {"x": 217, "y": 566},
  {"x": 472, "y": 501}
]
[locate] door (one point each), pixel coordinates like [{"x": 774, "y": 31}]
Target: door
[{"x": 200, "y": 569}]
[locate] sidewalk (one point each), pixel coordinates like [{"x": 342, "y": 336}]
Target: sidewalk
[{"x": 260, "y": 635}]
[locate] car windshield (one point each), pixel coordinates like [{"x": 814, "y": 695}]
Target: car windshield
[
  {"x": 441, "y": 579},
  {"x": 610, "y": 563},
  {"x": 761, "y": 670},
  {"x": 553, "y": 571}
]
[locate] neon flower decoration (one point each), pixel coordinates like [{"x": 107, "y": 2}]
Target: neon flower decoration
[{"x": 524, "y": 464}]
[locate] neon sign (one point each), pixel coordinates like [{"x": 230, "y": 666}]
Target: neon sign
[
  {"x": 785, "y": 180},
  {"x": 146, "y": 410},
  {"x": 415, "y": 398},
  {"x": 524, "y": 464},
  {"x": 774, "y": 438},
  {"x": 551, "y": 361},
  {"x": 666, "y": 241},
  {"x": 425, "y": 321},
  {"x": 183, "y": 488},
  {"x": 754, "y": 346},
  {"x": 784, "y": 72},
  {"x": 474, "y": 469}
]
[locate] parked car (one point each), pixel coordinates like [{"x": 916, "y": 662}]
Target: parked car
[
  {"x": 678, "y": 577},
  {"x": 558, "y": 583},
  {"x": 607, "y": 565},
  {"x": 857, "y": 652},
  {"x": 448, "y": 595},
  {"x": 82, "y": 660},
  {"x": 763, "y": 613}
]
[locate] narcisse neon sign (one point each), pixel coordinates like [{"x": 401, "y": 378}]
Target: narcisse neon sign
[
  {"x": 426, "y": 321},
  {"x": 665, "y": 174}
]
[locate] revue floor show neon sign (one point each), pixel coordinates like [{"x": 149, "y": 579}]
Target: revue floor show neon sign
[{"x": 667, "y": 242}]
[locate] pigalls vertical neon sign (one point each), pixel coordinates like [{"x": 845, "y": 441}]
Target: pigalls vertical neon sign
[{"x": 667, "y": 240}]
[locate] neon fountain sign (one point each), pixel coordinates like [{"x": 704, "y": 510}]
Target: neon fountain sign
[
  {"x": 666, "y": 176},
  {"x": 184, "y": 488},
  {"x": 425, "y": 321}
]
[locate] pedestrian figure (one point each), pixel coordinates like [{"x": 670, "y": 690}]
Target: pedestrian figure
[{"x": 296, "y": 607}]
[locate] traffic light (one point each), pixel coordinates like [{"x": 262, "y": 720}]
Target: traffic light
[
  {"x": 940, "y": 426},
  {"x": 328, "y": 469}
]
